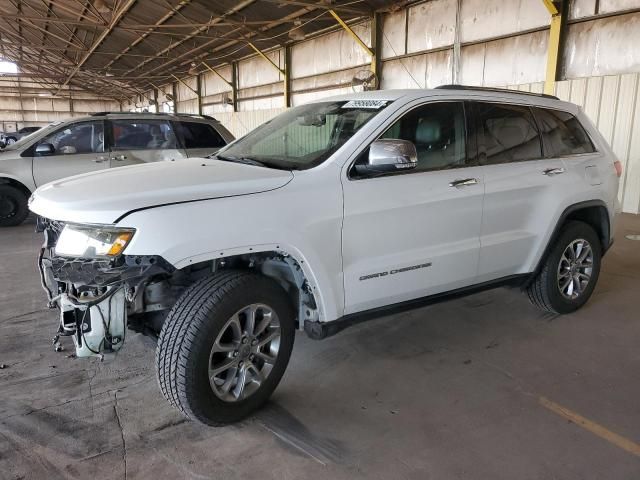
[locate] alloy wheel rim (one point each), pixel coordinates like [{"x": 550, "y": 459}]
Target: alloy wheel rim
[
  {"x": 244, "y": 352},
  {"x": 575, "y": 269}
]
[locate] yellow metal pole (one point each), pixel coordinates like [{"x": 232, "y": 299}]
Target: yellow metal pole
[
  {"x": 355, "y": 36},
  {"x": 194, "y": 91},
  {"x": 284, "y": 73},
  {"x": 553, "y": 49},
  {"x": 259, "y": 52},
  {"x": 351, "y": 32},
  {"x": 213, "y": 70}
]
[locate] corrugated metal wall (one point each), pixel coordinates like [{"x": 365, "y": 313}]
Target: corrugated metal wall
[{"x": 34, "y": 106}]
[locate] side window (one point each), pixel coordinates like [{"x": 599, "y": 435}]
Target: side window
[
  {"x": 85, "y": 137},
  {"x": 508, "y": 133},
  {"x": 200, "y": 135},
  {"x": 142, "y": 135},
  {"x": 438, "y": 132},
  {"x": 562, "y": 133}
]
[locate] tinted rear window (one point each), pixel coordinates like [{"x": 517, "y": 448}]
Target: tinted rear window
[
  {"x": 562, "y": 133},
  {"x": 200, "y": 135},
  {"x": 509, "y": 133}
]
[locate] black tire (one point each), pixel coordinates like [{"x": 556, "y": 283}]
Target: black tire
[
  {"x": 544, "y": 292},
  {"x": 13, "y": 206},
  {"x": 188, "y": 335}
]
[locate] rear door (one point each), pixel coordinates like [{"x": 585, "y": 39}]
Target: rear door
[
  {"x": 199, "y": 138},
  {"x": 564, "y": 138},
  {"x": 414, "y": 234},
  {"x": 135, "y": 141},
  {"x": 523, "y": 188},
  {"x": 77, "y": 148}
]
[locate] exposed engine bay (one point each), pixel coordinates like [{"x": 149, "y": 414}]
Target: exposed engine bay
[{"x": 100, "y": 298}]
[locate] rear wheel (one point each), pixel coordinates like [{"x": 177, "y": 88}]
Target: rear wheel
[
  {"x": 570, "y": 271},
  {"x": 225, "y": 346},
  {"x": 11, "y": 141},
  {"x": 13, "y": 206}
]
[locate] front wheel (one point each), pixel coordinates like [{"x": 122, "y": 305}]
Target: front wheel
[
  {"x": 13, "y": 206},
  {"x": 225, "y": 346},
  {"x": 570, "y": 271}
]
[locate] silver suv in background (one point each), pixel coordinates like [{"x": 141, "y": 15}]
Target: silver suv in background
[
  {"x": 9, "y": 138},
  {"x": 97, "y": 142}
]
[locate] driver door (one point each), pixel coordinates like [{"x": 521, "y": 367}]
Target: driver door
[
  {"x": 77, "y": 148},
  {"x": 416, "y": 233}
]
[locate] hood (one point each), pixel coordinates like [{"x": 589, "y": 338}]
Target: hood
[{"x": 105, "y": 196}]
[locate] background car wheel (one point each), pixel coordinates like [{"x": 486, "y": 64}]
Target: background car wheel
[
  {"x": 13, "y": 206},
  {"x": 570, "y": 271},
  {"x": 225, "y": 346}
]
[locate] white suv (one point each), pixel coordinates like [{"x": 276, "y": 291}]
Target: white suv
[
  {"x": 330, "y": 213},
  {"x": 98, "y": 142}
]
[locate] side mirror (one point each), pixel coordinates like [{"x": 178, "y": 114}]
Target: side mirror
[
  {"x": 45, "y": 149},
  {"x": 389, "y": 155}
]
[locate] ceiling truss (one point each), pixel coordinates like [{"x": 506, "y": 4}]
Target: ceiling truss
[{"x": 120, "y": 48}]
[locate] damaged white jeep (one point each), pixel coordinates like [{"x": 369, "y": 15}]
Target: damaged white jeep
[{"x": 330, "y": 213}]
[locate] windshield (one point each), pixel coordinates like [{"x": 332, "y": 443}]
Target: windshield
[
  {"x": 303, "y": 137},
  {"x": 27, "y": 138}
]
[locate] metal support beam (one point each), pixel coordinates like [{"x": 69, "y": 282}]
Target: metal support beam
[
  {"x": 231, "y": 83},
  {"x": 355, "y": 36},
  {"x": 553, "y": 49},
  {"x": 234, "y": 85},
  {"x": 183, "y": 83},
  {"x": 259, "y": 52},
  {"x": 284, "y": 73},
  {"x": 376, "y": 46},
  {"x": 213, "y": 70},
  {"x": 174, "y": 94},
  {"x": 199, "y": 93},
  {"x": 455, "y": 64},
  {"x": 287, "y": 76}
]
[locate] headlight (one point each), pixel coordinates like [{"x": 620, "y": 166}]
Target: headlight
[{"x": 91, "y": 241}]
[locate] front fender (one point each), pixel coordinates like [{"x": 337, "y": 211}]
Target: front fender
[{"x": 309, "y": 231}]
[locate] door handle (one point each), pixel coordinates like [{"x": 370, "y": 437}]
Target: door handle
[
  {"x": 553, "y": 171},
  {"x": 464, "y": 182},
  {"x": 120, "y": 158},
  {"x": 100, "y": 159}
]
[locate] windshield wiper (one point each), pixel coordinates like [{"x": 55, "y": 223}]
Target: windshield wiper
[{"x": 244, "y": 160}]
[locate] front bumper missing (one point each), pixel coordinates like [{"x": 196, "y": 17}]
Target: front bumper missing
[
  {"x": 93, "y": 295},
  {"x": 96, "y": 328}
]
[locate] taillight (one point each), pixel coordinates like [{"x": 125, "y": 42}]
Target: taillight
[{"x": 618, "y": 167}]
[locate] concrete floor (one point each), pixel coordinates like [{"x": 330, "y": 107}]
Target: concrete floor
[{"x": 479, "y": 388}]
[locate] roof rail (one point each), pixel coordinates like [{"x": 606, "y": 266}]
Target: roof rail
[
  {"x": 492, "y": 89},
  {"x": 193, "y": 115}
]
